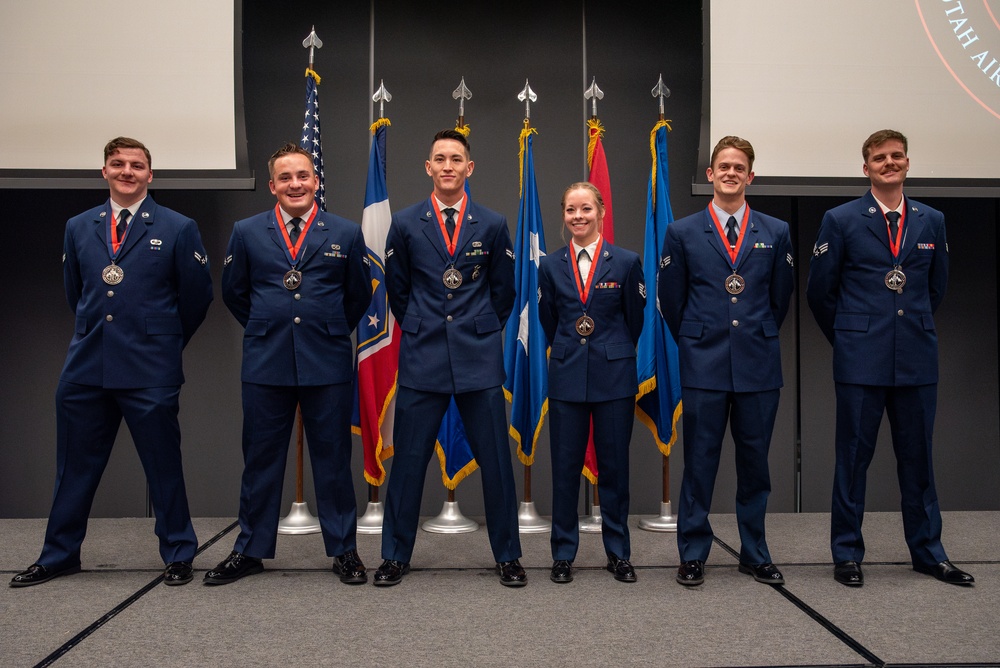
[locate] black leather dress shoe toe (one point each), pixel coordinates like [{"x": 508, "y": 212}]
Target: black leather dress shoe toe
[
  {"x": 511, "y": 574},
  {"x": 232, "y": 568},
  {"x": 848, "y": 573},
  {"x": 562, "y": 571},
  {"x": 178, "y": 573},
  {"x": 620, "y": 568},
  {"x": 390, "y": 573},
  {"x": 766, "y": 573},
  {"x": 946, "y": 572},
  {"x": 350, "y": 569},
  {"x": 691, "y": 573},
  {"x": 36, "y": 574}
]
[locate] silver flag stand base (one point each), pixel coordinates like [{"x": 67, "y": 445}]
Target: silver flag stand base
[
  {"x": 371, "y": 521},
  {"x": 298, "y": 521},
  {"x": 451, "y": 520},
  {"x": 665, "y": 522},
  {"x": 591, "y": 523},
  {"x": 529, "y": 521}
]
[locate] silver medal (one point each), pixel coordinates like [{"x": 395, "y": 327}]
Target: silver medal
[
  {"x": 292, "y": 279},
  {"x": 735, "y": 284},
  {"x": 895, "y": 280},
  {"x": 112, "y": 274},
  {"x": 452, "y": 278}
]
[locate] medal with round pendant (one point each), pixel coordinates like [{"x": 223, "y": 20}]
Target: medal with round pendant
[
  {"x": 292, "y": 279},
  {"x": 112, "y": 274},
  {"x": 895, "y": 280},
  {"x": 584, "y": 325},
  {"x": 735, "y": 284},
  {"x": 452, "y": 278}
]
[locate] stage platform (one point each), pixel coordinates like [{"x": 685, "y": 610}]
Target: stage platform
[{"x": 452, "y": 611}]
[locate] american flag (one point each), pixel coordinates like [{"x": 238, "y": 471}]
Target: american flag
[{"x": 312, "y": 140}]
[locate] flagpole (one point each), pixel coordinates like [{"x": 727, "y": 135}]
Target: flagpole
[
  {"x": 528, "y": 519},
  {"x": 371, "y": 521},
  {"x": 299, "y": 519},
  {"x": 451, "y": 519},
  {"x": 666, "y": 520},
  {"x": 591, "y": 522}
]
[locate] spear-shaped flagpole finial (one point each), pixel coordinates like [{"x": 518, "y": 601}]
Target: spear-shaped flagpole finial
[
  {"x": 312, "y": 42},
  {"x": 462, "y": 93},
  {"x": 660, "y": 91},
  {"x": 381, "y": 96},
  {"x": 527, "y": 96},
  {"x": 593, "y": 93}
]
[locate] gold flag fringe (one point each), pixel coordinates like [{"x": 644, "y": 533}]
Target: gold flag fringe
[
  {"x": 522, "y": 141},
  {"x": 596, "y": 131},
  {"x": 652, "y": 150},
  {"x": 382, "y": 122},
  {"x": 463, "y": 129},
  {"x": 312, "y": 73}
]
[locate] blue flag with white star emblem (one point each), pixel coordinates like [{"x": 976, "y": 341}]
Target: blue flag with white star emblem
[{"x": 527, "y": 384}]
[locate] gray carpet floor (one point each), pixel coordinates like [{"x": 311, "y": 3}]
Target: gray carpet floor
[{"x": 452, "y": 611}]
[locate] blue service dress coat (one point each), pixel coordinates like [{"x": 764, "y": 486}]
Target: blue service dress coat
[
  {"x": 450, "y": 340},
  {"x": 730, "y": 365},
  {"x": 451, "y": 344},
  {"x": 124, "y": 360},
  {"x": 885, "y": 359},
  {"x": 297, "y": 350},
  {"x": 591, "y": 377}
]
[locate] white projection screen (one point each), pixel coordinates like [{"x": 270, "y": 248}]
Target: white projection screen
[
  {"x": 807, "y": 82},
  {"x": 76, "y": 74}
]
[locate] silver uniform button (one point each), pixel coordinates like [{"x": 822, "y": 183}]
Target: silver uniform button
[
  {"x": 734, "y": 300},
  {"x": 109, "y": 318},
  {"x": 736, "y": 323},
  {"x": 583, "y": 341},
  {"x": 297, "y": 320},
  {"x": 899, "y": 312},
  {"x": 297, "y": 296},
  {"x": 449, "y": 318},
  {"x": 451, "y": 296},
  {"x": 111, "y": 293}
]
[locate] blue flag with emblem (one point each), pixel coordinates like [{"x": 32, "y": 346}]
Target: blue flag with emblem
[
  {"x": 658, "y": 402},
  {"x": 311, "y": 138},
  {"x": 527, "y": 384}
]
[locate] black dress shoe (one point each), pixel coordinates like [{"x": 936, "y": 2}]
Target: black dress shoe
[
  {"x": 766, "y": 573},
  {"x": 620, "y": 568},
  {"x": 232, "y": 568},
  {"x": 848, "y": 573},
  {"x": 350, "y": 569},
  {"x": 36, "y": 574},
  {"x": 511, "y": 574},
  {"x": 391, "y": 572},
  {"x": 562, "y": 571},
  {"x": 178, "y": 573},
  {"x": 946, "y": 572},
  {"x": 691, "y": 573}
]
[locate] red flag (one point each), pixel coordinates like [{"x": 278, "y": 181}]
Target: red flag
[{"x": 598, "y": 164}]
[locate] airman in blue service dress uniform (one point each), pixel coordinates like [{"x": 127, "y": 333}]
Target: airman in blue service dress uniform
[
  {"x": 136, "y": 276},
  {"x": 878, "y": 273},
  {"x": 591, "y": 300},
  {"x": 725, "y": 281},
  {"x": 449, "y": 270},
  {"x": 297, "y": 280}
]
